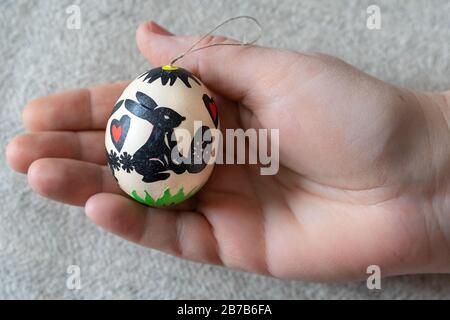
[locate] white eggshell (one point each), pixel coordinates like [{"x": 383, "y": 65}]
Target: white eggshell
[{"x": 137, "y": 132}]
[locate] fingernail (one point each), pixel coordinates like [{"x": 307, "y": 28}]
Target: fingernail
[{"x": 156, "y": 28}]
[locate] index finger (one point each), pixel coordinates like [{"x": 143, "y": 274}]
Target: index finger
[{"x": 79, "y": 109}]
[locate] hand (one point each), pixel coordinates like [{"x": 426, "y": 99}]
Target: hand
[{"x": 364, "y": 176}]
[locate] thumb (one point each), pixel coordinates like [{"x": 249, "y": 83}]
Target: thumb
[{"x": 232, "y": 71}]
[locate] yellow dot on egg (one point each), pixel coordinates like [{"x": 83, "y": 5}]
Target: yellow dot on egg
[{"x": 169, "y": 68}]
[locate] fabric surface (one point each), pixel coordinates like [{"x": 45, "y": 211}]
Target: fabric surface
[{"x": 39, "y": 238}]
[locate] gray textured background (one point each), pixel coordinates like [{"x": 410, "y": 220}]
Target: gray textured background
[{"x": 39, "y": 55}]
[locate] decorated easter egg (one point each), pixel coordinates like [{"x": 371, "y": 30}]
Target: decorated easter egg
[{"x": 160, "y": 138}]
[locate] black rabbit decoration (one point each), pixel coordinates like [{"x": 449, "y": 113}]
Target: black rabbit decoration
[{"x": 154, "y": 159}]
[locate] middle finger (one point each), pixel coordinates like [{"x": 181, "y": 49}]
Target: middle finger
[{"x": 70, "y": 181}]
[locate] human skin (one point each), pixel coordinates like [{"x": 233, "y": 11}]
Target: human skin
[{"x": 364, "y": 173}]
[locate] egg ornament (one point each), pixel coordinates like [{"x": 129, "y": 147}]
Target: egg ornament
[{"x": 160, "y": 138}]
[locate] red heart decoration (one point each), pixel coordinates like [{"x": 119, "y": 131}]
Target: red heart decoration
[
  {"x": 213, "y": 108},
  {"x": 116, "y": 132}
]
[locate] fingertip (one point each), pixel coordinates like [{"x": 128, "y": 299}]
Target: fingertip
[
  {"x": 101, "y": 202},
  {"x": 142, "y": 31},
  {"x": 146, "y": 29},
  {"x": 156, "y": 43},
  {"x": 143, "y": 38},
  {"x": 29, "y": 118},
  {"x": 15, "y": 154},
  {"x": 90, "y": 207},
  {"x": 116, "y": 214},
  {"x": 42, "y": 180}
]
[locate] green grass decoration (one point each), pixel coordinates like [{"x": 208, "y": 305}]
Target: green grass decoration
[{"x": 165, "y": 200}]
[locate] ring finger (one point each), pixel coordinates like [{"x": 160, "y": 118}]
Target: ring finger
[{"x": 86, "y": 146}]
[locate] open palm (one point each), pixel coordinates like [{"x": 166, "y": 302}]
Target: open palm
[{"x": 351, "y": 190}]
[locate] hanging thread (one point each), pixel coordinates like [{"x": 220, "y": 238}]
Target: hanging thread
[{"x": 194, "y": 49}]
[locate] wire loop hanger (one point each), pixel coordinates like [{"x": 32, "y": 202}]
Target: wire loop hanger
[{"x": 245, "y": 43}]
